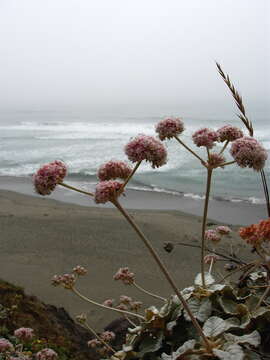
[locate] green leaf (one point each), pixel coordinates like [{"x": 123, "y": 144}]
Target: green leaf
[
  {"x": 182, "y": 350},
  {"x": 215, "y": 326},
  {"x": 209, "y": 280},
  {"x": 150, "y": 343},
  {"x": 253, "y": 338},
  {"x": 201, "y": 309},
  {"x": 228, "y": 305},
  {"x": 233, "y": 352}
]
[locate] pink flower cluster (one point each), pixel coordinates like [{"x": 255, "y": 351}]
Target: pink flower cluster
[
  {"x": 66, "y": 280},
  {"x": 46, "y": 354},
  {"x": 211, "y": 257},
  {"x": 107, "y": 336},
  {"x": 144, "y": 147},
  {"x": 79, "y": 270},
  {"x": 48, "y": 176},
  {"x": 229, "y": 133},
  {"x": 205, "y": 137},
  {"x": 124, "y": 299},
  {"x": 248, "y": 152},
  {"x": 5, "y": 345},
  {"x": 113, "y": 170},
  {"x": 223, "y": 230},
  {"x": 169, "y": 128},
  {"x": 125, "y": 276},
  {"x": 24, "y": 334},
  {"x": 108, "y": 302},
  {"x": 135, "y": 305},
  {"x": 212, "y": 235},
  {"x": 216, "y": 160},
  {"x": 107, "y": 191}
]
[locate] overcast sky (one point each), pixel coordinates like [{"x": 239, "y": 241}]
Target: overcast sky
[{"x": 87, "y": 52}]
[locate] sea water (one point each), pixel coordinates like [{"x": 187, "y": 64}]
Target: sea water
[{"x": 86, "y": 139}]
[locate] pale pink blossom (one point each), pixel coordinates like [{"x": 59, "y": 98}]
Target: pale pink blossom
[
  {"x": 169, "y": 127},
  {"x": 24, "y": 334},
  {"x": 108, "y": 302},
  {"x": 125, "y": 276},
  {"x": 125, "y": 299},
  {"x": 46, "y": 354},
  {"x": 211, "y": 257},
  {"x": 216, "y": 160},
  {"x": 5, "y": 345},
  {"x": 205, "y": 137},
  {"x": 107, "y": 336},
  {"x": 79, "y": 270},
  {"x": 135, "y": 305},
  {"x": 223, "y": 230},
  {"x": 229, "y": 133},
  {"x": 248, "y": 152},
  {"x": 144, "y": 147},
  {"x": 122, "y": 307},
  {"x": 113, "y": 170},
  {"x": 48, "y": 176},
  {"x": 66, "y": 280},
  {"x": 212, "y": 235},
  {"x": 107, "y": 191}
]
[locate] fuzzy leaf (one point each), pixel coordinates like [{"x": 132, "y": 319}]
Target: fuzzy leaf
[
  {"x": 215, "y": 325},
  {"x": 228, "y": 305},
  {"x": 150, "y": 344},
  {"x": 232, "y": 352},
  {"x": 201, "y": 309},
  {"x": 182, "y": 350},
  {"x": 253, "y": 338},
  {"x": 209, "y": 280}
]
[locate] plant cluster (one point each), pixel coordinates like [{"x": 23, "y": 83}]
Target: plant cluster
[{"x": 210, "y": 319}]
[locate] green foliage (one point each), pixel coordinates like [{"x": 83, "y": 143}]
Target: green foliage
[{"x": 229, "y": 315}]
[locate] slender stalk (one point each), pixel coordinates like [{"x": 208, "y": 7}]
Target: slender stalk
[
  {"x": 130, "y": 321},
  {"x": 75, "y": 189},
  {"x": 211, "y": 266},
  {"x": 148, "y": 292},
  {"x": 266, "y": 192},
  {"x": 264, "y": 296},
  {"x": 205, "y": 211},
  {"x": 165, "y": 272},
  {"x": 236, "y": 260},
  {"x": 208, "y": 153},
  {"x": 227, "y": 163},
  {"x": 104, "y": 306},
  {"x": 190, "y": 150},
  {"x": 130, "y": 176},
  {"x": 236, "y": 270},
  {"x": 98, "y": 337},
  {"x": 224, "y": 147}
]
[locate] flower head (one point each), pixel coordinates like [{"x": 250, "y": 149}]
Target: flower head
[
  {"x": 211, "y": 257},
  {"x": 248, "y": 152},
  {"x": 223, "y": 230},
  {"x": 107, "y": 336},
  {"x": 5, "y": 345},
  {"x": 113, "y": 170},
  {"x": 125, "y": 299},
  {"x": 125, "y": 275},
  {"x": 94, "y": 343},
  {"x": 79, "y": 270},
  {"x": 24, "y": 334},
  {"x": 108, "y": 302},
  {"x": 144, "y": 147},
  {"x": 169, "y": 128},
  {"x": 107, "y": 191},
  {"x": 135, "y": 305},
  {"x": 256, "y": 234},
  {"x": 46, "y": 354},
  {"x": 212, "y": 235},
  {"x": 205, "y": 137},
  {"x": 229, "y": 133},
  {"x": 48, "y": 176},
  {"x": 216, "y": 159},
  {"x": 66, "y": 280}
]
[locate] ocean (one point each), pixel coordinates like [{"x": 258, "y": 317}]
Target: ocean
[{"x": 86, "y": 139}]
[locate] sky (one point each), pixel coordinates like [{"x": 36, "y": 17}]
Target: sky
[{"x": 80, "y": 53}]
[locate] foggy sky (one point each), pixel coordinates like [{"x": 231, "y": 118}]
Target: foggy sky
[{"x": 87, "y": 52}]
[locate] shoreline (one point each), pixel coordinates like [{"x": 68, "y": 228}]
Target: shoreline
[{"x": 235, "y": 213}]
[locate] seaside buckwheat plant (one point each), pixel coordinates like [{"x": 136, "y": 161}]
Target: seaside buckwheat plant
[{"x": 219, "y": 316}]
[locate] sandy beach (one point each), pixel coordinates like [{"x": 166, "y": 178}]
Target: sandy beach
[{"x": 41, "y": 237}]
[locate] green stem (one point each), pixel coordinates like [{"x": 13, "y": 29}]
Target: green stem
[
  {"x": 205, "y": 211},
  {"x": 130, "y": 176},
  {"x": 98, "y": 337},
  {"x": 190, "y": 150},
  {"x": 148, "y": 292},
  {"x": 104, "y": 306},
  {"x": 224, "y": 147},
  {"x": 165, "y": 272},
  {"x": 76, "y": 189}
]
